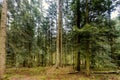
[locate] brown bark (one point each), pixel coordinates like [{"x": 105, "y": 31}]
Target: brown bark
[
  {"x": 3, "y": 39},
  {"x": 59, "y": 35},
  {"x": 78, "y": 37},
  {"x": 87, "y": 44},
  {"x": 88, "y": 58}
]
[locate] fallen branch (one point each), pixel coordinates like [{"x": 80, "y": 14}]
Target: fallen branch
[{"x": 106, "y": 72}]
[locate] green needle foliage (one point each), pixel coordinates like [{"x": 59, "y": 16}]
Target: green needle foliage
[{"x": 89, "y": 35}]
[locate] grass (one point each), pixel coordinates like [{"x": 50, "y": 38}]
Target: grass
[{"x": 50, "y": 73}]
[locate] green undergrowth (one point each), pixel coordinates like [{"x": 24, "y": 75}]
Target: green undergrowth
[
  {"x": 22, "y": 72},
  {"x": 39, "y": 73},
  {"x": 26, "y": 71}
]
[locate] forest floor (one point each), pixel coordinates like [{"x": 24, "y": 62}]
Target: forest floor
[{"x": 51, "y": 73}]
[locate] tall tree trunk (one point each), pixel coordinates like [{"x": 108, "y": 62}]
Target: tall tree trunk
[
  {"x": 3, "y": 39},
  {"x": 88, "y": 58},
  {"x": 50, "y": 51},
  {"x": 78, "y": 37},
  {"x": 87, "y": 44},
  {"x": 59, "y": 35},
  {"x": 110, "y": 38}
]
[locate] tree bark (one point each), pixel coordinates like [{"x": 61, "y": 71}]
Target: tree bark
[
  {"x": 59, "y": 35},
  {"x": 88, "y": 58},
  {"x": 87, "y": 44},
  {"x": 3, "y": 39},
  {"x": 78, "y": 37}
]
